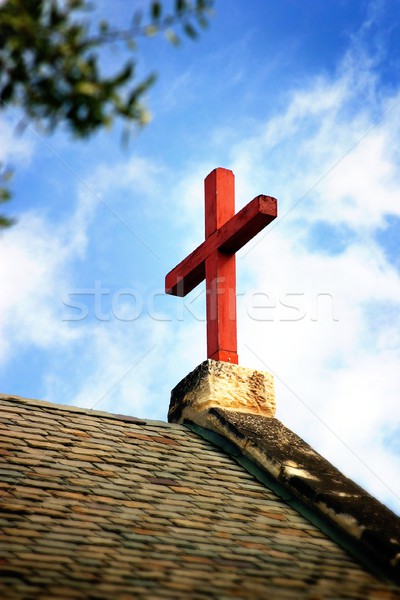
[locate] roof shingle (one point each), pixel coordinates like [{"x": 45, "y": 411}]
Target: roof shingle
[{"x": 95, "y": 505}]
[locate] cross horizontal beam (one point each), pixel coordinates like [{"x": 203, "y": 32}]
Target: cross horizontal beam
[{"x": 229, "y": 238}]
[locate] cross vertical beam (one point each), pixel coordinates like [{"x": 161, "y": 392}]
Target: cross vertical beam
[{"x": 220, "y": 270}]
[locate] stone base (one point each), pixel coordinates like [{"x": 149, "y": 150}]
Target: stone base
[{"x": 218, "y": 384}]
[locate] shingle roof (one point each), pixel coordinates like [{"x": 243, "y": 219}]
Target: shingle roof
[
  {"x": 314, "y": 486},
  {"x": 102, "y": 506}
]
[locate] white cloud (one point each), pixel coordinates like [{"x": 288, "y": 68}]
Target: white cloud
[
  {"x": 90, "y": 363},
  {"x": 346, "y": 372},
  {"x": 36, "y": 257}
]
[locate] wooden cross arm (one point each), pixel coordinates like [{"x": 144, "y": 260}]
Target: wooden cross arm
[{"x": 229, "y": 238}]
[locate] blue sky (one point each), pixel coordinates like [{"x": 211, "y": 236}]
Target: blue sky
[{"x": 302, "y": 101}]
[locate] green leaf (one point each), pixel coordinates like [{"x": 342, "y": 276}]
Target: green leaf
[
  {"x": 7, "y": 92},
  {"x": 190, "y": 31},
  {"x": 172, "y": 37},
  {"x": 180, "y": 6},
  {"x": 7, "y": 175},
  {"x": 131, "y": 45},
  {"x": 137, "y": 18},
  {"x": 104, "y": 26},
  {"x": 202, "y": 21},
  {"x": 151, "y": 30},
  {"x": 5, "y": 195},
  {"x": 6, "y": 222},
  {"x": 155, "y": 10},
  {"x": 86, "y": 88}
]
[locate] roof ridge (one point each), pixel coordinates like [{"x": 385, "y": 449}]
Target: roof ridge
[
  {"x": 371, "y": 529},
  {"x": 86, "y": 411}
]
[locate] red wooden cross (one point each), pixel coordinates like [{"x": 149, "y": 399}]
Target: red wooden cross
[{"x": 214, "y": 259}]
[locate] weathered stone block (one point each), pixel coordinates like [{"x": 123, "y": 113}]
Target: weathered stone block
[{"x": 222, "y": 385}]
